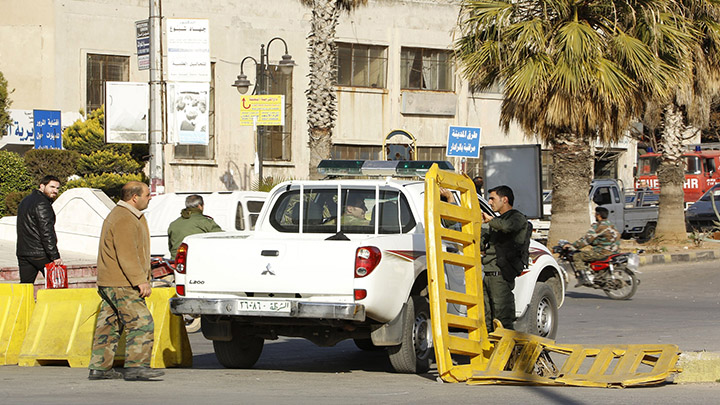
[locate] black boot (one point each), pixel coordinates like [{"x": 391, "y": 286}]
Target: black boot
[
  {"x": 104, "y": 375},
  {"x": 582, "y": 279}
]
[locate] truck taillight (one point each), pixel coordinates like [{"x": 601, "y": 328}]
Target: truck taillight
[
  {"x": 180, "y": 289},
  {"x": 366, "y": 259},
  {"x": 360, "y": 294},
  {"x": 181, "y": 258}
]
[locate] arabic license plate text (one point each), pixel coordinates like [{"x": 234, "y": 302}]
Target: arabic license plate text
[{"x": 264, "y": 306}]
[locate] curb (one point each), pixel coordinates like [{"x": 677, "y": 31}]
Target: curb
[
  {"x": 666, "y": 258},
  {"x": 698, "y": 367}
]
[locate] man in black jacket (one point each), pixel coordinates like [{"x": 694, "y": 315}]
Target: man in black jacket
[
  {"x": 36, "y": 239},
  {"x": 502, "y": 239}
]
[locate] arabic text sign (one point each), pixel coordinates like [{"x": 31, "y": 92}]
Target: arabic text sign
[
  {"x": 142, "y": 34},
  {"x": 48, "y": 130},
  {"x": 188, "y": 51},
  {"x": 21, "y": 130},
  {"x": 267, "y": 109},
  {"x": 463, "y": 142}
]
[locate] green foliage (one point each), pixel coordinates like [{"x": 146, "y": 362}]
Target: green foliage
[
  {"x": 4, "y": 105},
  {"x": 60, "y": 163},
  {"x": 267, "y": 183},
  {"x": 12, "y": 201},
  {"x": 13, "y": 176},
  {"x": 107, "y": 161},
  {"x": 104, "y": 166},
  {"x": 110, "y": 183},
  {"x": 89, "y": 136}
]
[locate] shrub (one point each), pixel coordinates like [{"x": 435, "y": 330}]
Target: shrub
[
  {"x": 60, "y": 163},
  {"x": 4, "y": 105},
  {"x": 110, "y": 183},
  {"x": 12, "y": 201},
  {"x": 86, "y": 137},
  {"x": 107, "y": 161},
  {"x": 13, "y": 176}
]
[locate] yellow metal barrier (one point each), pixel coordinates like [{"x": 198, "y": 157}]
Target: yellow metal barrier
[
  {"x": 506, "y": 356},
  {"x": 63, "y": 325},
  {"x": 16, "y": 305}
]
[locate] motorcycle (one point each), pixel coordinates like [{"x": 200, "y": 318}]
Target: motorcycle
[
  {"x": 616, "y": 274},
  {"x": 163, "y": 273}
]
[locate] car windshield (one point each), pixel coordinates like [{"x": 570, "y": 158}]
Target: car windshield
[
  {"x": 707, "y": 195},
  {"x": 647, "y": 166},
  {"x": 692, "y": 165}
]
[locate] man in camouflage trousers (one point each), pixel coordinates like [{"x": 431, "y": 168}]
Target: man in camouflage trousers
[
  {"x": 603, "y": 240},
  {"x": 123, "y": 284}
]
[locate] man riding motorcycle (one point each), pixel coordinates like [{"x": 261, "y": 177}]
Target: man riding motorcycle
[{"x": 602, "y": 239}]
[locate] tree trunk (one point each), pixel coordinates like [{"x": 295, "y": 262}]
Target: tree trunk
[
  {"x": 321, "y": 88},
  {"x": 671, "y": 176},
  {"x": 572, "y": 173}
]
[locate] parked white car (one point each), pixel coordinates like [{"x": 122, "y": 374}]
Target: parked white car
[{"x": 310, "y": 271}]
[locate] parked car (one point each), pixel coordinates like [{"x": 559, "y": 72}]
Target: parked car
[{"x": 700, "y": 215}]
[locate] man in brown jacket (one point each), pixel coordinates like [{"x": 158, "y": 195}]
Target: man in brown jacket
[{"x": 123, "y": 283}]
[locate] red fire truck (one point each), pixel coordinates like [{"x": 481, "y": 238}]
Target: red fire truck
[{"x": 701, "y": 172}]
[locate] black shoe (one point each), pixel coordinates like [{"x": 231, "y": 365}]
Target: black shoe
[
  {"x": 582, "y": 282},
  {"x": 104, "y": 375},
  {"x": 142, "y": 373}
]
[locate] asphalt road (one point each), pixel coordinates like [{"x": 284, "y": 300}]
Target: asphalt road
[{"x": 674, "y": 304}]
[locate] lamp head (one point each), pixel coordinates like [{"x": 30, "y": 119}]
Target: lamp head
[
  {"x": 287, "y": 64},
  {"x": 242, "y": 84}
]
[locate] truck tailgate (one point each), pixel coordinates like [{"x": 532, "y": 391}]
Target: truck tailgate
[{"x": 258, "y": 264}]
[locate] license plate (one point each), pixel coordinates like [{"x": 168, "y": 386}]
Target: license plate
[{"x": 264, "y": 306}]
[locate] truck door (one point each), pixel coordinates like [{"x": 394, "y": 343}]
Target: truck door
[{"x": 609, "y": 197}]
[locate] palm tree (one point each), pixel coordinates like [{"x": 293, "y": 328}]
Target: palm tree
[
  {"x": 321, "y": 91},
  {"x": 686, "y": 112},
  {"x": 573, "y": 72}
]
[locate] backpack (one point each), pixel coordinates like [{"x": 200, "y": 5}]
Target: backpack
[{"x": 524, "y": 247}]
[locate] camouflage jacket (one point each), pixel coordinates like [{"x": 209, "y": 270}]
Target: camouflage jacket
[{"x": 602, "y": 236}]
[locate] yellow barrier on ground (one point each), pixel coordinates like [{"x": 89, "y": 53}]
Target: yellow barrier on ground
[
  {"x": 63, "y": 325},
  {"x": 16, "y": 307},
  {"x": 506, "y": 356}
]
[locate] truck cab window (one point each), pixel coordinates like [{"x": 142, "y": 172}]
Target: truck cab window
[{"x": 602, "y": 196}]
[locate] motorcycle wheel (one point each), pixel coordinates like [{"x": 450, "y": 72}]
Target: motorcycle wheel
[{"x": 623, "y": 286}]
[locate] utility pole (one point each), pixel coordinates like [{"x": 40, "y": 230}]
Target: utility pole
[{"x": 157, "y": 170}]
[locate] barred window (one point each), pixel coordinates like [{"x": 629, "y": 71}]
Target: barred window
[
  {"x": 361, "y": 65},
  {"x": 426, "y": 69},
  {"x": 101, "y": 69}
]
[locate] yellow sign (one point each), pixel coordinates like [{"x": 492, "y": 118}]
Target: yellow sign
[{"x": 263, "y": 109}]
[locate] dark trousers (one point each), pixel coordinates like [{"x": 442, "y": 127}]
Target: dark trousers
[
  {"x": 30, "y": 266},
  {"x": 499, "y": 300}
]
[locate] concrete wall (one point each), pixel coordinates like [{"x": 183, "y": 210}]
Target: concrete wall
[{"x": 45, "y": 45}]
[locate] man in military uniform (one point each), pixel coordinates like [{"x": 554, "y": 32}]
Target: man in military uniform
[
  {"x": 123, "y": 284},
  {"x": 354, "y": 213},
  {"x": 502, "y": 239},
  {"x": 602, "y": 239},
  {"x": 191, "y": 222}
]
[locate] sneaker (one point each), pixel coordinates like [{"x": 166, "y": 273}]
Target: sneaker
[
  {"x": 104, "y": 375},
  {"x": 142, "y": 373}
]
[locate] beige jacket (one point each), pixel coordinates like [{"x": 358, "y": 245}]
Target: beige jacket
[{"x": 124, "y": 251}]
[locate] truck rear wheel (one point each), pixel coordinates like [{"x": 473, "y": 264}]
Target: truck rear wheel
[
  {"x": 242, "y": 351},
  {"x": 414, "y": 352}
]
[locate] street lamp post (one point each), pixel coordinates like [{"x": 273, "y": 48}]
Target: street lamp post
[{"x": 242, "y": 84}]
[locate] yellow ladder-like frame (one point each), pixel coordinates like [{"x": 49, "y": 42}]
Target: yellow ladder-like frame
[{"x": 506, "y": 356}]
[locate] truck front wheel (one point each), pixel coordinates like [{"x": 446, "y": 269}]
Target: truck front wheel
[
  {"x": 242, "y": 351},
  {"x": 415, "y": 351},
  {"x": 540, "y": 318}
]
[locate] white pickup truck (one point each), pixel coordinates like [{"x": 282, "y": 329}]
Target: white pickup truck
[{"x": 308, "y": 270}]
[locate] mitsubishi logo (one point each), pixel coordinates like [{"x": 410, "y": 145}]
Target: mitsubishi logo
[{"x": 268, "y": 271}]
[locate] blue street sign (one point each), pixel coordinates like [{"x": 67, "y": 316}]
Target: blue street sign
[
  {"x": 48, "y": 129},
  {"x": 463, "y": 142}
]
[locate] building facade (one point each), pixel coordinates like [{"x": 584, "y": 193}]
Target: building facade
[{"x": 395, "y": 71}]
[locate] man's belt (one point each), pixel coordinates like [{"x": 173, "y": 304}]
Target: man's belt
[{"x": 491, "y": 273}]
